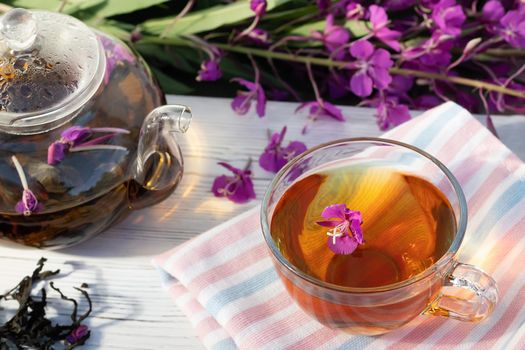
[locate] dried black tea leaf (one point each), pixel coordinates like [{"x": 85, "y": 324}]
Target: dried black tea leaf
[{"x": 29, "y": 328}]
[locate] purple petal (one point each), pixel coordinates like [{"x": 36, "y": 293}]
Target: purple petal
[
  {"x": 260, "y": 106},
  {"x": 241, "y": 104},
  {"x": 381, "y": 77},
  {"x": 331, "y": 223},
  {"x": 361, "y": 84},
  {"x": 306, "y": 105},
  {"x": 247, "y": 84},
  {"x": 448, "y": 17},
  {"x": 334, "y": 211},
  {"x": 294, "y": 148},
  {"x": 77, "y": 334},
  {"x": 76, "y": 134},
  {"x": 343, "y": 245},
  {"x": 378, "y": 16},
  {"x": 493, "y": 11},
  {"x": 354, "y": 11},
  {"x": 243, "y": 191},
  {"x": 20, "y": 207},
  {"x": 401, "y": 84},
  {"x": 381, "y": 58},
  {"x": 29, "y": 204},
  {"x": 390, "y": 37},
  {"x": 270, "y": 161},
  {"x": 259, "y": 7},
  {"x": 219, "y": 184},
  {"x": 357, "y": 231},
  {"x": 56, "y": 152},
  {"x": 210, "y": 71},
  {"x": 336, "y": 37},
  {"x": 231, "y": 168},
  {"x": 362, "y": 49},
  {"x": 398, "y": 115},
  {"x": 333, "y": 111},
  {"x": 259, "y": 36}
]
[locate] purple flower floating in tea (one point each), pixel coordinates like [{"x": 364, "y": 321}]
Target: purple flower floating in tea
[
  {"x": 80, "y": 138},
  {"x": 237, "y": 188},
  {"x": 78, "y": 334},
  {"x": 275, "y": 156},
  {"x": 28, "y": 204},
  {"x": 346, "y": 233}
]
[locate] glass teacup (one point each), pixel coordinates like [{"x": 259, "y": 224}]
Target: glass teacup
[{"x": 445, "y": 288}]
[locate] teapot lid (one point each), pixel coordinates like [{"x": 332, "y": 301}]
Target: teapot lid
[{"x": 50, "y": 65}]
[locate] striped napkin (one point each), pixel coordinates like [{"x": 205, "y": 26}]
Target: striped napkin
[{"x": 225, "y": 282}]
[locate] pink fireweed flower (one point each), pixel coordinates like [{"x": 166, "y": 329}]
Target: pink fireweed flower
[
  {"x": 372, "y": 68},
  {"x": 512, "y": 27},
  {"x": 28, "y": 204},
  {"x": 333, "y": 37},
  {"x": 318, "y": 107},
  {"x": 346, "y": 233},
  {"x": 354, "y": 11},
  {"x": 209, "y": 71},
  {"x": 237, "y": 188},
  {"x": 78, "y": 334},
  {"x": 379, "y": 21},
  {"x": 448, "y": 17},
  {"x": 242, "y": 102},
  {"x": 275, "y": 156},
  {"x": 258, "y": 7},
  {"x": 79, "y": 138}
]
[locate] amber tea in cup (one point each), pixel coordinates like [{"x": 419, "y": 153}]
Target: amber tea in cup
[{"x": 413, "y": 220}]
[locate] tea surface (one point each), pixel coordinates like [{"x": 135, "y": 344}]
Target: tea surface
[{"x": 408, "y": 224}]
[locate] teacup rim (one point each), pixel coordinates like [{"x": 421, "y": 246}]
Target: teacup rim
[{"x": 437, "y": 266}]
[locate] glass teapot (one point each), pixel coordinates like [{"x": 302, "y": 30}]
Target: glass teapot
[{"x": 85, "y": 135}]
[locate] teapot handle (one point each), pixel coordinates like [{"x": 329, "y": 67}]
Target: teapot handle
[{"x": 159, "y": 165}]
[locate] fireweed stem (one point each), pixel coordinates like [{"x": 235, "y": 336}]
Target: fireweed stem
[
  {"x": 97, "y": 148},
  {"x": 20, "y": 172},
  {"x": 339, "y": 64},
  {"x": 394, "y": 70},
  {"x": 183, "y": 13}
]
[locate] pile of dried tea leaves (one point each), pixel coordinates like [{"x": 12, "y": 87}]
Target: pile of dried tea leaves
[{"x": 29, "y": 328}]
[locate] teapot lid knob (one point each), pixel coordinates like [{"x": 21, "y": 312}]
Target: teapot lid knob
[
  {"x": 18, "y": 28},
  {"x": 51, "y": 64}
]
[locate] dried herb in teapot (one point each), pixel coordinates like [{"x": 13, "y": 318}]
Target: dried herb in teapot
[{"x": 29, "y": 328}]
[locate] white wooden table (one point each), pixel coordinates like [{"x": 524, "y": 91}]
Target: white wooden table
[{"x": 131, "y": 310}]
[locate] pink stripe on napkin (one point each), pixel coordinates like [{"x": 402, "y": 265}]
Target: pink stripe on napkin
[{"x": 225, "y": 282}]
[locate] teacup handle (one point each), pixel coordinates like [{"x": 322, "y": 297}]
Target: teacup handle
[
  {"x": 469, "y": 294},
  {"x": 158, "y": 166}
]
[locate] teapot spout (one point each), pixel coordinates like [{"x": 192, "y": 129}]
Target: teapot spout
[
  {"x": 159, "y": 165},
  {"x": 180, "y": 114}
]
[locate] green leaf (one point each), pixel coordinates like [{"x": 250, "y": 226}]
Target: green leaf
[
  {"x": 118, "y": 7},
  {"x": 356, "y": 28},
  {"x": 117, "y": 29},
  {"x": 182, "y": 58},
  {"x": 71, "y": 6},
  {"x": 207, "y": 19},
  {"x": 170, "y": 85},
  {"x": 308, "y": 28},
  {"x": 290, "y": 14}
]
